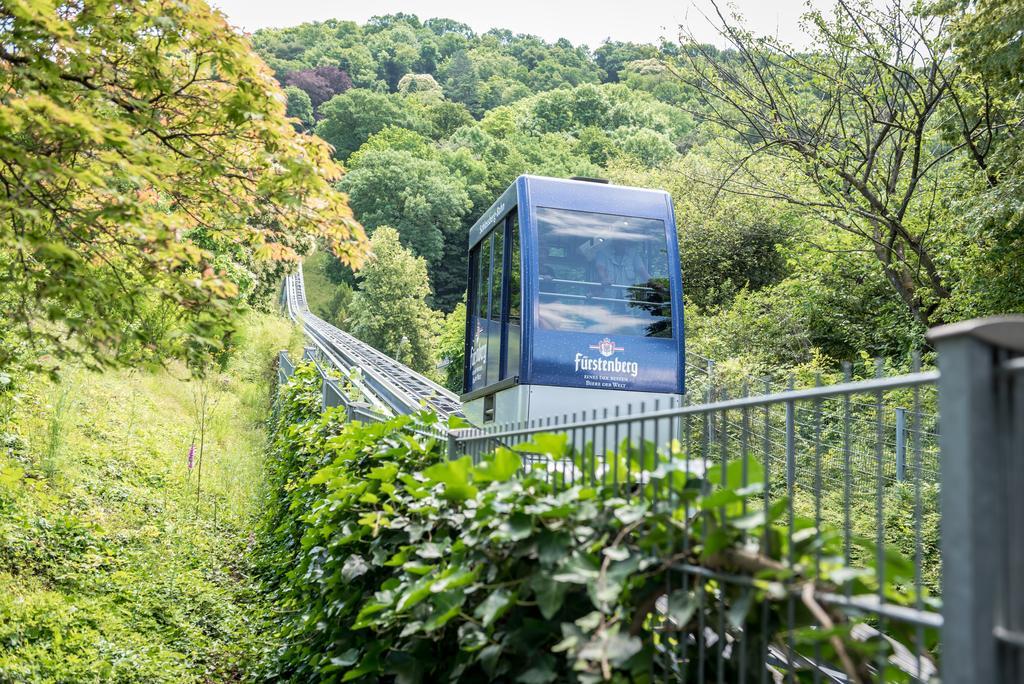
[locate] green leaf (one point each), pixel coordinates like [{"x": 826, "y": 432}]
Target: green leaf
[
  {"x": 500, "y": 467},
  {"x": 385, "y": 472},
  {"x": 519, "y": 526},
  {"x": 681, "y": 607},
  {"x": 494, "y": 606},
  {"x": 740, "y": 607},
  {"x": 554, "y": 446},
  {"x": 445, "y": 606},
  {"x": 455, "y": 477},
  {"x": 552, "y": 547},
  {"x": 549, "y": 594},
  {"x": 453, "y": 578},
  {"x": 471, "y": 637},
  {"x": 542, "y": 671},
  {"x": 354, "y": 567},
  {"x": 414, "y": 594},
  {"x": 579, "y": 569}
]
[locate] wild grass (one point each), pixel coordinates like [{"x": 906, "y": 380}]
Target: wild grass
[{"x": 113, "y": 566}]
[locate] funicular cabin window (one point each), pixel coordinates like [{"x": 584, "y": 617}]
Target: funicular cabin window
[
  {"x": 603, "y": 273},
  {"x": 481, "y": 261},
  {"x": 514, "y": 332},
  {"x": 493, "y": 324},
  {"x": 495, "y": 330}
]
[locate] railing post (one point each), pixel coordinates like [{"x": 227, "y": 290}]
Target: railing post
[
  {"x": 790, "y": 444},
  {"x": 901, "y": 444},
  {"x": 790, "y": 441},
  {"x": 453, "y": 446},
  {"x": 977, "y": 580}
]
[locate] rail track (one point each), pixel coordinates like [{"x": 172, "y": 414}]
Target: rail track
[{"x": 386, "y": 383}]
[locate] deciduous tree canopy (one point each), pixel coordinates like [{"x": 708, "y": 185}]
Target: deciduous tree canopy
[{"x": 149, "y": 175}]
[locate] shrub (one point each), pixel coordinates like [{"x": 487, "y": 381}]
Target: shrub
[{"x": 395, "y": 562}]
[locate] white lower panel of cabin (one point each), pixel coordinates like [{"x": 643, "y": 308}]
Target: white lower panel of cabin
[{"x": 533, "y": 402}]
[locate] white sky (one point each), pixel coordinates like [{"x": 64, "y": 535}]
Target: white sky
[{"x": 581, "y": 21}]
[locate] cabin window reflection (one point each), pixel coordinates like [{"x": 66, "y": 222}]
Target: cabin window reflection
[
  {"x": 603, "y": 273},
  {"x": 478, "y": 333},
  {"x": 493, "y": 322},
  {"x": 515, "y": 329}
]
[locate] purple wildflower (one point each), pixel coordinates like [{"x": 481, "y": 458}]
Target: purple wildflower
[{"x": 191, "y": 455}]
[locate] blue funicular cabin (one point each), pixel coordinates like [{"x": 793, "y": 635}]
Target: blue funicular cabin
[{"x": 575, "y": 301}]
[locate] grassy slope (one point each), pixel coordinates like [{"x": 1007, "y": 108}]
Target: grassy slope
[{"x": 111, "y": 567}]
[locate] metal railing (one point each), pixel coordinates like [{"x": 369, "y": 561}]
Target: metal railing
[
  {"x": 981, "y": 400},
  {"x": 861, "y": 458}
]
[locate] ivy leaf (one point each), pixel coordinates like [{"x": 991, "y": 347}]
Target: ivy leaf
[
  {"x": 552, "y": 445},
  {"x": 489, "y": 658},
  {"x": 611, "y": 646},
  {"x": 445, "y": 606},
  {"x": 354, "y": 567},
  {"x": 471, "y": 637},
  {"x": 453, "y": 579},
  {"x": 578, "y": 570},
  {"x": 503, "y": 465},
  {"x": 681, "y": 607},
  {"x": 519, "y": 526},
  {"x": 346, "y": 659},
  {"x": 552, "y": 547},
  {"x": 549, "y": 594},
  {"x": 740, "y": 607},
  {"x": 494, "y": 606},
  {"x": 415, "y": 593},
  {"x": 455, "y": 477},
  {"x": 542, "y": 672}
]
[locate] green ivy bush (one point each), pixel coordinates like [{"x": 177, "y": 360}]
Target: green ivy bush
[{"x": 391, "y": 563}]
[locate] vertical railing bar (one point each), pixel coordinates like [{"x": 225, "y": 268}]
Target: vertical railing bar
[
  {"x": 790, "y": 489},
  {"x": 576, "y": 451},
  {"x": 847, "y": 493},
  {"x": 880, "y": 503},
  {"x": 604, "y": 452},
  {"x": 656, "y": 484},
  {"x": 615, "y": 463},
  {"x": 918, "y": 515},
  {"x": 629, "y": 451},
  {"x": 901, "y": 442},
  {"x": 817, "y": 511}
]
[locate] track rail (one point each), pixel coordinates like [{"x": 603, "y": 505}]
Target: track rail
[{"x": 386, "y": 382}]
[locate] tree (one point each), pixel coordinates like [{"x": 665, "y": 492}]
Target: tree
[
  {"x": 987, "y": 37},
  {"x": 417, "y": 197},
  {"x": 447, "y": 117},
  {"x": 462, "y": 80},
  {"x": 349, "y": 119},
  {"x": 143, "y": 146},
  {"x": 389, "y": 309},
  {"x": 394, "y": 138},
  {"x": 649, "y": 147},
  {"x": 396, "y": 50},
  {"x": 423, "y": 84},
  {"x": 614, "y": 56},
  {"x": 299, "y": 106},
  {"x": 321, "y": 83},
  {"x": 863, "y": 120}
]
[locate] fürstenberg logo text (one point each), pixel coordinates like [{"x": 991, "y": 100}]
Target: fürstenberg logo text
[{"x": 587, "y": 363}]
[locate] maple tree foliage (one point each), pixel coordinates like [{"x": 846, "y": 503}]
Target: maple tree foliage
[{"x": 150, "y": 180}]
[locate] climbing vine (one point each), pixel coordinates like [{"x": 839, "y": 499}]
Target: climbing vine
[{"x": 392, "y": 562}]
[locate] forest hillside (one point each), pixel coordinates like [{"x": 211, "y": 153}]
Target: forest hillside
[{"x": 832, "y": 202}]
